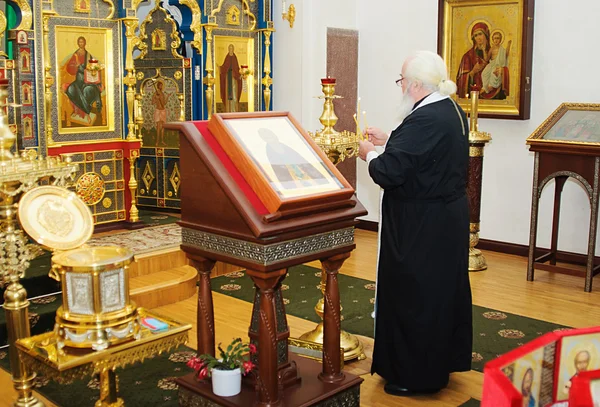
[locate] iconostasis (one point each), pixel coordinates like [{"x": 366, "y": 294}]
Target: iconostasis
[{"x": 98, "y": 79}]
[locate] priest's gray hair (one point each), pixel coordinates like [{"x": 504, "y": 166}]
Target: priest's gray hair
[{"x": 429, "y": 68}]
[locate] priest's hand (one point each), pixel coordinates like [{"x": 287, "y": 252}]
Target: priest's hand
[
  {"x": 364, "y": 148},
  {"x": 376, "y": 136}
]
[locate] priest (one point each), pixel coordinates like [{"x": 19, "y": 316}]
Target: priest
[{"x": 423, "y": 321}]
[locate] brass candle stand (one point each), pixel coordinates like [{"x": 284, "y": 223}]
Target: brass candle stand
[
  {"x": 17, "y": 176},
  {"x": 338, "y": 146},
  {"x": 477, "y": 142},
  {"x": 349, "y": 343}
]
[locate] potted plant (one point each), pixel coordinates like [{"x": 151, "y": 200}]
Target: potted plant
[{"x": 226, "y": 372}]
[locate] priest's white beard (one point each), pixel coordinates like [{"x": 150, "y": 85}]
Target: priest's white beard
[{"x": 406, "y": 106}]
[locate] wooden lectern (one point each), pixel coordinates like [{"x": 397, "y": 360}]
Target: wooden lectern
[
  {"x": 260, "y": 194},
  {"x": 566, "y": 145}
]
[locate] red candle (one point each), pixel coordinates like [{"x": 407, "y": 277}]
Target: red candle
[{"x": 328, "y": 81}]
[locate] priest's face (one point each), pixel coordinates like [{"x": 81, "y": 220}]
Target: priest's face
[{"x": 407, "y": 102}]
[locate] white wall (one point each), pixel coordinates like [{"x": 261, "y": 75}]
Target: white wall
[
  {"x": 565, "y": 65},
  {"x": 300, "y": 54}
]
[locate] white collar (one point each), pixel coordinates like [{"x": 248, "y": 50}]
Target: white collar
[{"x": 431, "y": 98}]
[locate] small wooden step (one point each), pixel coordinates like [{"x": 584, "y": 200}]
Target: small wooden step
[
  {"x": 149, "y": 263},
  {"x": 163, "y": 287}
]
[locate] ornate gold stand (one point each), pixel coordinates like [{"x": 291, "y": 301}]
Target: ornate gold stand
[
  {"x": 338, "y": 146},
  {"x": 42, "y": 354},
  {"x": 350, "y": 344},
  {"x": 477, "y": 141},
  {"x": 18, "y": 175}
]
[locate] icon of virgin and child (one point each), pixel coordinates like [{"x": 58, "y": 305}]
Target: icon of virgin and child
[{"x": 484, "y": 67}]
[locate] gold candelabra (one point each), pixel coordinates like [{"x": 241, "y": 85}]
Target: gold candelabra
[
  {"x": 477, "y": 142},
  {"x": 337, "y": 146},
  {"x": 19, "y": 174}
]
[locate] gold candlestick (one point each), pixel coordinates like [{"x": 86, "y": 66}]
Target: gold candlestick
[
  {"x": 336, "y": 145},
  {"x": 477, "y": 141}
]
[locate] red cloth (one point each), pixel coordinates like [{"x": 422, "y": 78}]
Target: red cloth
[{"x": 232, "y": 170}]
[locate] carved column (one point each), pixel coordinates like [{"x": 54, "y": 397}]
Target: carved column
[
  {"x": 268, "y": 381},
  {"x": 477, "y": 142},
  {"x": 209, "y": 79},
  {"x": 48, "y": 79},
  {"x": 332, "y": 322},
  {"x": 130, "y": 80},
  {"x": 205, "y": 313},
  {"x": 133, "y": 210},
  {"x": 267, "y": 81}
]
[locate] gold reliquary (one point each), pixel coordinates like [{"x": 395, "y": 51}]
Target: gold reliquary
[{"x": 96, "y": 310}]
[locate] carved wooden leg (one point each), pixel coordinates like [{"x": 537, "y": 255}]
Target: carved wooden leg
[
  {"x": 331, "y": 321},
  {"x": 268, "y": 384},
  {"x": 535, "y": 199},
  {"x": 589, "y": 272},
  {"x": 559, "y": 183},
  {"x": 205, "y": 312}
]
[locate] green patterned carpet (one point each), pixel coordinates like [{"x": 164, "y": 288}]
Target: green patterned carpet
[
  {"x": 494, "y": 333},
  {"x": 144, "y": 384},
  {"x": 151, "y": 383}
]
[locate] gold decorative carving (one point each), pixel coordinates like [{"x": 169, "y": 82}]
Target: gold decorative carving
[
  {"x": 107, "y": 202},
  {"x": 90, "y": 188},
  {"x": 175, "y": 179},
  {"x": 26, "y": 15},
  {"x": 178, "y": 75},
  {"x": 195, "y": 26},
  {"x": 209, "y": 79},
  {"x": 246, "y": 11},
  {"x": 3, "y": 24},
  {"x": 105, "y": 170},
  {"x": 48, "y": 78},
  {"x": 175, "y": 40},
  {"x": 133, "y": 211},
  {"x": 147, "y": 176},
  {"x": 53, "y": 217},
  {"x": 232, "y": 17},
  {"x": 111, "y": 10},
  {"x": 136, "y": 3},
  {"x": 130, "y": 79},
  {"x": 267, "y": 81},
  {"x": 139, "y": 75},
  {"x": 290, "y": 15}
]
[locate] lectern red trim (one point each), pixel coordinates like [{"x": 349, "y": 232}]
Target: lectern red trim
[{"x": 256, "y": 203}]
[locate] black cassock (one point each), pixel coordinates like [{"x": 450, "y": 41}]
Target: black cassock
[{"x": 423, "y": 329}]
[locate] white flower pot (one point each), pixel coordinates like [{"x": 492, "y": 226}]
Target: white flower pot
[{"x": 226, "y": 383}]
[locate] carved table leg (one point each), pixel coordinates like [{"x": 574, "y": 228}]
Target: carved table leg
[
  {"x": 268, "y": 383},
  {"x": 109, "y": 389},
  {"x": 535, "y": 199},
  {"x": 559, "y": 183},
  {"x": 331, "y": 320},
  {"x": 589, "y": 274},
  {"x": 205, "y": 313}
]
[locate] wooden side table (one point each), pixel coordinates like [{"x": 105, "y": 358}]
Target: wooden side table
[{"x": 566, "y": 145}]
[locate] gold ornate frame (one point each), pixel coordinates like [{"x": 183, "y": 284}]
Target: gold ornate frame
[
  {"x": 544, "y": 133},
  {"x": 457, "y": 19}
]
